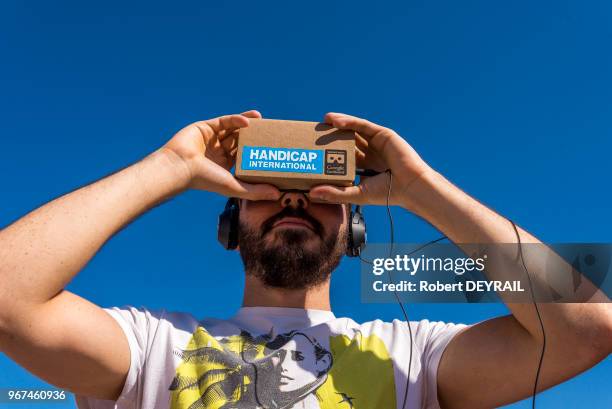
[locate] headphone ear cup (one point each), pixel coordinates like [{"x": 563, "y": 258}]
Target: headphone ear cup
[
  {"x": 357, "y": 235},
  {"x": 228, "y": 224}
]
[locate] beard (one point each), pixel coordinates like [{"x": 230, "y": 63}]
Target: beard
[{"x": 290, "y": 260}]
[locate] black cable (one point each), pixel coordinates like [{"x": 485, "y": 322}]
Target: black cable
[
  {"x": 535, "y": 304},
  {"x": 366, "y": 172},
  {"x": 391, "y": 243},
  {"x": 399, "y": 301}
]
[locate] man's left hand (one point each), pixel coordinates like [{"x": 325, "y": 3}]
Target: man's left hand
[{"x": 380, "y": 149}]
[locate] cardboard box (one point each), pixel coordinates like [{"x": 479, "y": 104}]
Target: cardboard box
[{"x": 295, "y": 154}]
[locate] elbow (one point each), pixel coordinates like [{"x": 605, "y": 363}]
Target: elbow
[
  {"x": 604, "y": 333},
  {"x": 4, "y": 334},
  {"x": 6, "y": 330},
  {"x": 3, "y": 319},
  {"x": 589, "y": 338},
  {"x": 599, "y": 339},
  {"x": 608, "y": 335}
]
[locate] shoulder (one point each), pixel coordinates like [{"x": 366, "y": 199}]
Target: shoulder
[
  {"x": 424, "y": 333},
  {"x": 145, "y": 320},
  {"x": 423, "y": 327}
]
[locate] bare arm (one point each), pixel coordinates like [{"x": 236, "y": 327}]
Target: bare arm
[
  {"x": 42, "y": 326},
  {"x": 494, "y": 362},
  {"x": 500, "y": 356}
]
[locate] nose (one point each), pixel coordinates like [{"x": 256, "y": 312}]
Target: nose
[{"x": 294, "y": 199}]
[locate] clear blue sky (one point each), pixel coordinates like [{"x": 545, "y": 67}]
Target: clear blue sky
[{"x": 510, "y": 100}]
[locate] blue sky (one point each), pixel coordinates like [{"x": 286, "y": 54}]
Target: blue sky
[{"x": 511, "y": 101}]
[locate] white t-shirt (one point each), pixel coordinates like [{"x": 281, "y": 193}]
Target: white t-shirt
[{"x": 268, "y": 357}]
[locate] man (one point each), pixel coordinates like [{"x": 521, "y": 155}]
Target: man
[{"x": 290, "y": 243}]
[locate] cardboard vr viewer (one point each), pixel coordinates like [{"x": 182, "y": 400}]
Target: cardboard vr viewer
[{"x": 295, "y": 154}]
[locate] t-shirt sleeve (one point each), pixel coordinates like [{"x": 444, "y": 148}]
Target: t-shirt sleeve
[
  {"x": 439, "y": 334},
  {"x": 136, "y": 325}
]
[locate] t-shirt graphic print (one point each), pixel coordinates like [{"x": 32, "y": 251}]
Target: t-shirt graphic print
[
  {"x": 282, "y": 370},
  {"x": 268, "y": 357}
]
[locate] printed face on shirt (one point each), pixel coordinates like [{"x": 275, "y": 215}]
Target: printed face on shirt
[
  {"x": 292, "y": 243},
  {"x": 298, "y": 364}
]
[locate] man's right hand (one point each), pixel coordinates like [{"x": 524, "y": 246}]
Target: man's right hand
[{"x": 208, "y": 150}]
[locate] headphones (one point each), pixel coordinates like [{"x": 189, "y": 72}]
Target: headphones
[{"x": 228, "y": 225}]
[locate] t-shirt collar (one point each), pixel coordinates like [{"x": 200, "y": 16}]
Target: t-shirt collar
[{"x": 284, "y": 316}]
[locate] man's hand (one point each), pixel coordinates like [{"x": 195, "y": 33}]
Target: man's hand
[
  {"x": 208, "y": 150},
  {"x": 380, "y": 149},
  {"x": 41, "y": 324}
]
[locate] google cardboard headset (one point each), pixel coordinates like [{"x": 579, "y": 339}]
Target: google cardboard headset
[
  {"x": 294, "y": 156},
  {"x": 228, "y": 227}
]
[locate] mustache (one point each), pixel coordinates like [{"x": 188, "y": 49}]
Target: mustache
[{"x": 292, "y": 212}]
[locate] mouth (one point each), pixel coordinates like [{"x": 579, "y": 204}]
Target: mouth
[
  {"x": 294, "y": 222},
  {"x": 284, "y": 380}
]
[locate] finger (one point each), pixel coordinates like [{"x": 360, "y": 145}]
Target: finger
[
  {"x": 367, "y": 158},
  {"x": 252, "y": 114},
  {"x": 337, "y": 194},
  {"x": 227, "y": 123},
  {"x": 361, "y": 142},
  {"x": 230, "y": 123},
  {"x": 382, "y": 143},
  {"x": 364, "y": 127},
  {"x": 360, "y": 158},
  {"x": 368, "y": 191},
  {"x": 253, "y": 191},
  {"x": 362, "y": 149},
  {"x": 216, "y": 178},
  {"x": 225, "y": 183},
  {"x": 225, "y": 134},
  {"x": 229, "y": 143},
  {"x": 230, "y": 153}
]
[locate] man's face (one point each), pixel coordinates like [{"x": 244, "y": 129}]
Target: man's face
[
  {"x": 298, "y": 365},
  {"x": 292, "y": 243}
]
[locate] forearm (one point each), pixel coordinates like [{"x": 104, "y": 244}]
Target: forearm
[
  {"x": 465, "y": 220},
  {"x": 41, "y": 252},
  {"x": 460, "y": 217}
]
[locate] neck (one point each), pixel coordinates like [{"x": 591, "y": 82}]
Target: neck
[{"x": 256, "y": 294}]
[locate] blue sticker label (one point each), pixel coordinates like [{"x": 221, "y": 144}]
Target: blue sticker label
[{"x": 282, "y": 159}]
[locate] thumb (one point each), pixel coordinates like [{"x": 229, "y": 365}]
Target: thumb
[
  {"x": 259, "y": 191},
  {"x": 337, "y": 194},
  {"x": 370, "y": 190}
]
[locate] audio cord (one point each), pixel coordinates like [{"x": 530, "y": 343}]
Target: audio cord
[
  {"x": 537, "y": 310},
  {"x": 399, "y": 301},
  {"x": 401, "y": 304}
]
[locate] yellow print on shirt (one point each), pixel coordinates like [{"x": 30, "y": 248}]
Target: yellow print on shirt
[{"x": 289, "y": 370}]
